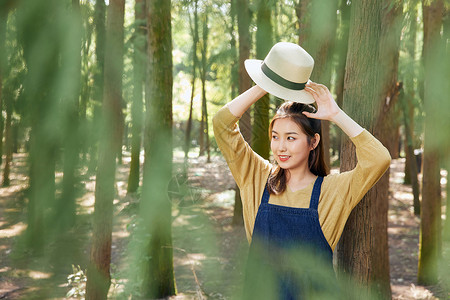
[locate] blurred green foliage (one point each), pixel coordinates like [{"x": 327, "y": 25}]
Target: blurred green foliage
[{"x": 44, "y": 71}]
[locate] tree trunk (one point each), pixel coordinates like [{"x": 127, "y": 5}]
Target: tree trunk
[
  {"x": 430, "y": 226},
  {"x": 407, "y": 101},
  {"x": 409, "y": 150},
  {"x": 66, "y": 208},
  {"x": 342, "y": 48},
  {"x": 155, "y": 208},
  {"x": 137, "y": 106},
  {"x": 39, "y": 92},
  {"x": 244, "y": 83},
  {"x": 303, "y": 19},
  {"x": 362, "y": 250},
  {"x": 446, "y": 148},
  {"x": 194, "y": 33},
  {"x": 98, "y": 274},
  {"x": 204, "y": 70},
  {"x": 204, "y": 132},
  {"x": 3, "y": 19},
  {"x": 8, "y": 142},
  {"x": 235, "y": 61},
  {"x": 100, "y": 34},
  {"x": 260, "y": 134},
  {"x": 386, "y": 129}
]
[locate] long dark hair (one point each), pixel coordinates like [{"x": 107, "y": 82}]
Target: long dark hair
[{"x": 293, "y": 110}]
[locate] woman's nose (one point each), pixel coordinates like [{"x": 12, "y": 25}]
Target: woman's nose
[{"x": 282, "y": 145}]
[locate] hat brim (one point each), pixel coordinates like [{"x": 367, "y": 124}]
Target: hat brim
[{"x": 253, "y": 67}]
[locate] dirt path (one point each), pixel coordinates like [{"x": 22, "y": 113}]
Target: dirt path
[{"x": 209, "y": 253}]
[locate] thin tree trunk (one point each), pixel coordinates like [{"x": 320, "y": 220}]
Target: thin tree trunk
[
  {"x": 204, "y": 133},
  {"x": 260, "y": 135},
  {"x": 245, "y": 82},
  {"x": 430, "y": 226},
  {"x": 100, "y": 34},
  {"x": 362, "y": 250},
  {"x": 409, "y": 149},
  {"x": 155, "y": 208},
  {"x": 342, "y": 48},
  {"x": 386, "y": 129},
  {"x": 85, "y": 92},
  {"x": 235, "y": 62},
  {"x": 66, "y": 208},
  {"x": 3, "y": 19},
  {"x": 137, "y": 106},
  {"x": 407, "y": 101},
  {"x": 8, "y": 143},
  {"x": 303, "y": 19},
  {"x": 446, "y": 148},
  {"x": 194, "y": 33},
  {"x": 98, "y": 275},
  {"x": 37, "y": 91}
]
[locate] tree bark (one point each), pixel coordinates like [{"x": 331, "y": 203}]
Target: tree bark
[
  {"x": 407, "y": 101},
  {"x": 155, "y": 206},
  {"x": 100, "y": 34},
  {"x": 342, "y": 49},
  {"x": 409, "y": 150},
  {"x": 204, "y": 128},
  {"x": 3, "y": 19},
  {"x": 430, "y": 226},
  {"x": 362, "y": 250},
  {"x": 446, "y": 148},
  {"x": 8, "y": 142},
  {"x": 66, "y": 208},
  {"x": 195, "y": 41},
  {"x": 260, "y": 135},
  {"x": 244, "y": 83},
  {"x": 98, "y": 274},
  {"x": 42, "y": 100},
  {"x": 137, "y": 106}
]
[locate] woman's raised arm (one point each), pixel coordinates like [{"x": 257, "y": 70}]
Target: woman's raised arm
[{"x": 242, "y": 103}]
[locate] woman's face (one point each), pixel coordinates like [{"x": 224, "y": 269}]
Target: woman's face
[{"x": 289, "y": 144}]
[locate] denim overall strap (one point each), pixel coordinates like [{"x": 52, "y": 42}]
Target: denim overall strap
[
  {"x": 266, "y": 195},
  {"x": 314, "y": 202}
]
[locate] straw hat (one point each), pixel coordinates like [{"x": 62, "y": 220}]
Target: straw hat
[{"x": 284, "y": 72}]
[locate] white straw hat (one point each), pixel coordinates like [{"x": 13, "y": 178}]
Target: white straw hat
[{"x": 284, "y": 72}]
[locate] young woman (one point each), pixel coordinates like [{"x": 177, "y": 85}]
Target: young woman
[{"x": 293, "y": 203}]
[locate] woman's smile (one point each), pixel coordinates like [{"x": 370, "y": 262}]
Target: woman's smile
[{"x": 283, "y": 158}]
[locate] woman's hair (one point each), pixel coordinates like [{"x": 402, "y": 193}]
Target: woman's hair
[{"x": 293, "y": 110}]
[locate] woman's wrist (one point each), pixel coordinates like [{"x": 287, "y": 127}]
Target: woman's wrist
[{"x": 347, "y": 124}]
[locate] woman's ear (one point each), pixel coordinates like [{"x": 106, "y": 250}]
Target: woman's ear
[{"x": 315, "y": 141}]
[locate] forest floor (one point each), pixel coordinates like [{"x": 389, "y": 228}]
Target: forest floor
[{"x": 209, "y": 252}]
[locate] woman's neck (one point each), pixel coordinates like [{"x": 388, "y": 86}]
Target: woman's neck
[{"x": 299, "y": 178}]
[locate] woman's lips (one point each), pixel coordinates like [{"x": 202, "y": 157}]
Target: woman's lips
[{"x": 283, "y": 157}]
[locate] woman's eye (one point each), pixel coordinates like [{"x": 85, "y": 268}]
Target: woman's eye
[
  {"x": 290, "y": 138},
  {"x": 274, "y": 137}
]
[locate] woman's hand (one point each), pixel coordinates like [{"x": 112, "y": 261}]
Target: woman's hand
[{"x": 327, "y": 108}]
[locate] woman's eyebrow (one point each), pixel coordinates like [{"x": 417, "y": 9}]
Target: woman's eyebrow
[{"x": 288, "y": 133}]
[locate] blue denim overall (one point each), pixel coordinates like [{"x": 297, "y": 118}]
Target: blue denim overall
[{"x": 278, "y": 231}]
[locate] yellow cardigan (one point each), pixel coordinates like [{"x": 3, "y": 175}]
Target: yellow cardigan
[{"x": 340, "y": 192}]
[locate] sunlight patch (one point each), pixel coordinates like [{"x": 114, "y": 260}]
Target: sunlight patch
[
  {"x": 39, "y": 275},
  {"x": 14, "y": 230}
]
